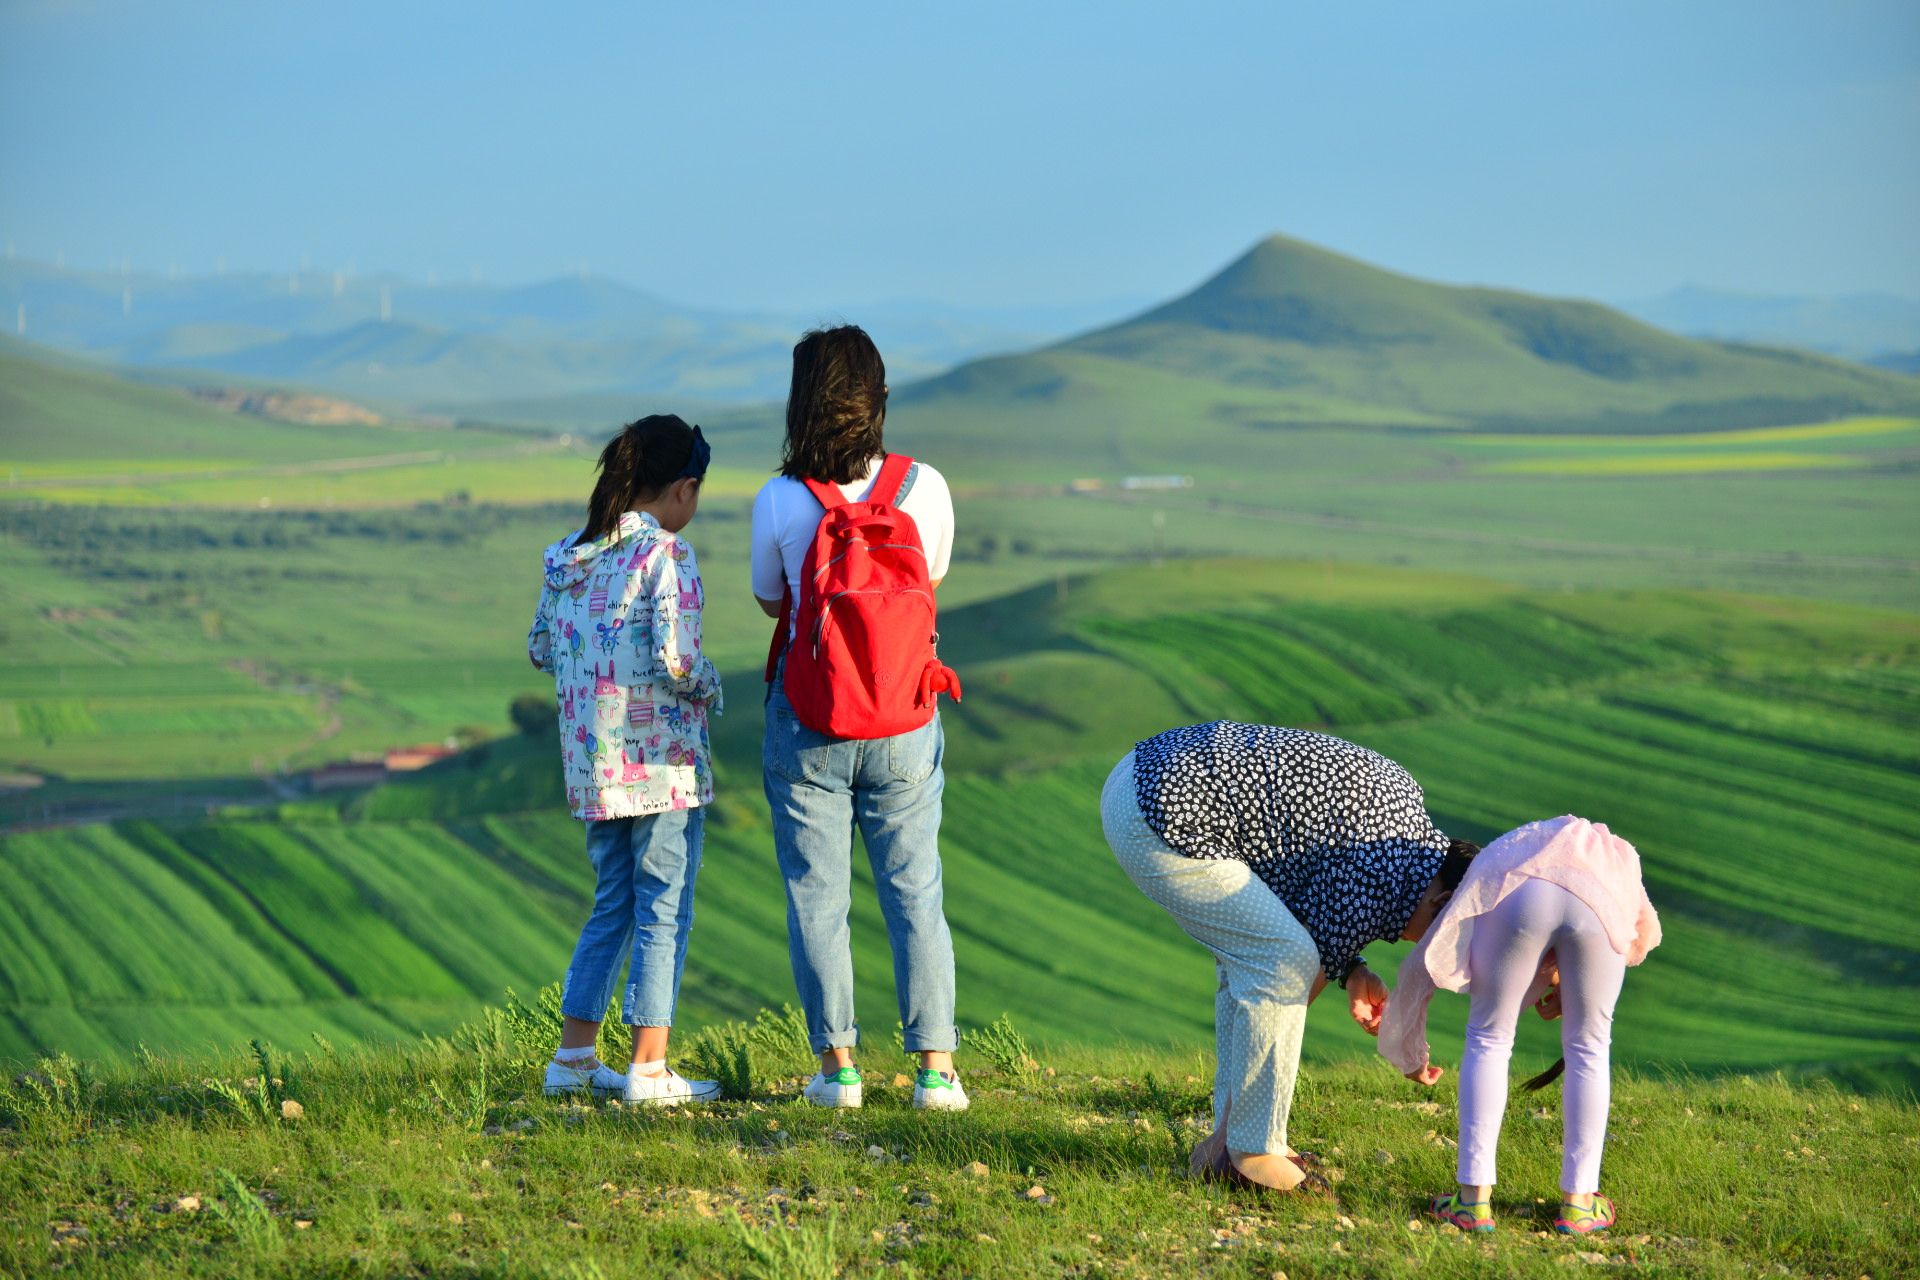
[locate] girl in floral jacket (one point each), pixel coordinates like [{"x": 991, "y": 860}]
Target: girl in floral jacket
[{"x": 618, "y": 628}]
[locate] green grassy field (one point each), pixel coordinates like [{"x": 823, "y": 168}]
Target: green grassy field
[
  {"x": 1534, "y": 621},
  {"x": 268, "y": 634},
  {"x": 442, "y": 1159},
  {"x": 1758, "y": 752}
]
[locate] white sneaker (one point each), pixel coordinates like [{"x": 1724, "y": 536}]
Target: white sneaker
[
  {"x": 598, "y": 1079},
  {"x": 935, "y": 1092},
  {"x": 841, "y": 1089},
  {"x": 669, "y": 1090}
]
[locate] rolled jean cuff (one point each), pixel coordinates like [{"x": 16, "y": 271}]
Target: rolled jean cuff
[
  {"x": 636, "y": 1011},
  {"x": 835, "y": 1040},
  {"x": 574, "y": 1004},
  {"x": 946, "y": 1042}
]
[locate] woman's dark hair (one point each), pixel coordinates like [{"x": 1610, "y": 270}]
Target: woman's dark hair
[
  {"x": 1454, "y": 866},
  {"x": 836, "y": 407},
  {"x": 636, "y": 465}
]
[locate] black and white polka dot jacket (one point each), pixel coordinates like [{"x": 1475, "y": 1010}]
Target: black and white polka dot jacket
[{"x": 1338, "y": 832}]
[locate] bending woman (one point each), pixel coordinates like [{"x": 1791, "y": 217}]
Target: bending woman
[{"x": 1282, "y": 852}]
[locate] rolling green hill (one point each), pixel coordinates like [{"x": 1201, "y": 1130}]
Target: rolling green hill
[
  {"x": 61, "y": 417},
  {"x": 1759, "y": 754},
  {"x": 1291, "y": 333}
]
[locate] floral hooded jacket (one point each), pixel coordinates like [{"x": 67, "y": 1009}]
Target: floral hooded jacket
[{"x": 618, "y": 628}]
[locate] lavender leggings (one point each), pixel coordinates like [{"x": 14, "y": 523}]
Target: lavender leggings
[{"x": 1507, "y": 945}]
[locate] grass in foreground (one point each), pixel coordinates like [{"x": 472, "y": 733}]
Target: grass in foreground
[{"x": 441, "y": 1159}]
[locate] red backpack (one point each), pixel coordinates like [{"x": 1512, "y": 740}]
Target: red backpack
[{"x": 862, "y": 662}]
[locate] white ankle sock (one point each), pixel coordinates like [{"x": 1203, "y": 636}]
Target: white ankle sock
[
  {"x": 658, "y": 1068},
  {"x": 571, "y": 1057}
]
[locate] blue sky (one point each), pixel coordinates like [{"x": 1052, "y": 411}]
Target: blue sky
[{"x": 779, "y": 155}]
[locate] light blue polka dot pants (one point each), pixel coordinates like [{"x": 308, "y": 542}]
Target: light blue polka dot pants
[{"x": 1267, "y": 963}]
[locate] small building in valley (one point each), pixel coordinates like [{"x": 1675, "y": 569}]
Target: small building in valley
[
  {"x": 407, "y": 759},
  {"x": 344, "y": 775}
]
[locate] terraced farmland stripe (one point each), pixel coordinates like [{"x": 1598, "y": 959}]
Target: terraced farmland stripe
[
  {"x": 1628, "y": 743},
  {"x": 1863, "y": 791},
  {"x": 454, "y": 906},
  {"x": 321, "y": 911},
  {"x": 521, "y": 861},
  {"x": 1741, "y": 709},
  {"x": 279, "y": 951},
  {"x": 30, "y": 965},
  {"x": 114, "y": 917},
  {"x": 1747, "y": 855}
]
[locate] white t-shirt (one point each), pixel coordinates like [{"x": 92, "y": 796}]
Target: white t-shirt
[{"x": 786, "y": 516}]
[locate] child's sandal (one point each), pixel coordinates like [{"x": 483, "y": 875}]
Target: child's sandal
[
  {"x": 1468, "y": 1215},
  {"x": 1575, "y": 1221}
]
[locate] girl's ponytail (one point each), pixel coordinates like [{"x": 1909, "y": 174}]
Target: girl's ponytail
[
  {"x": 1546, "y": 1077},
  {"x": 643, "y": 459}
]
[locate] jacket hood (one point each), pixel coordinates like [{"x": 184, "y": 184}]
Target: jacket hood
[{"x": 568, "y": 564}]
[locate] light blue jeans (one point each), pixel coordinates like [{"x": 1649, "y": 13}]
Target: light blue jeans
[
  {"x": 642, "y": 910},
  {"x": 819, "y": 788}
]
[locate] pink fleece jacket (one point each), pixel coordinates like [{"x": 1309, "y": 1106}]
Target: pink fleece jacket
[{"x": 1582, "y": 857}]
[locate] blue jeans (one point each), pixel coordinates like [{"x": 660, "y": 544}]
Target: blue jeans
[
  {"x": 819, "y": 788},
  {"x": 643, "y": 901}
]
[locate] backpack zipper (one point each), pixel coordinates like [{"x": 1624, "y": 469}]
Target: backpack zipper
[
  {"x": 826, "y": 608},
  {"x": 874, "y": 546}
]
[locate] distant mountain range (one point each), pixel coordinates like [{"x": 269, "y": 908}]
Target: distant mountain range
[
  {"x": 1288, "y": 333},
  {"x": 1879, "y": 328},
  {"x": 401, "y": 344},
  {"x": 1292, "y": 334}
]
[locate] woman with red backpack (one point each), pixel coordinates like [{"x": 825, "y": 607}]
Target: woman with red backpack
[{"x": 849, "y": 543}]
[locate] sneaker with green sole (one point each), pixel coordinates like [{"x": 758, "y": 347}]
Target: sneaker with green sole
[
  {"x": 933, "y": 1091},
  {"x": 838, "y": 1089}
]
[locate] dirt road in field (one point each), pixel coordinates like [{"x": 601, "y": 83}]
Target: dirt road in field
[{"x": 273, "y": 772}]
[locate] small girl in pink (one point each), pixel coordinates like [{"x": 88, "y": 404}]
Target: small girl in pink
[{"x": 1550, "y": 914}]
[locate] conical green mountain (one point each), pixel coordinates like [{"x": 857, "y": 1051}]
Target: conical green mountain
[{"x": 1290, "y": 332}]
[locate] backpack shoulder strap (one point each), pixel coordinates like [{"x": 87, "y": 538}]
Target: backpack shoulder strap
[
  {"x": 906, "y": 486},
  {"x": 895, "y": 481},
  {"x": 889, "y": 489},
  {"x": 828, "y": 494}
]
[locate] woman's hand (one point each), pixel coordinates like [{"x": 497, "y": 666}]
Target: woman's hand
[
  {"x": 1428, "y": 1074},
  {"x": 1366, "y": 999},
  {"x": 1548, "y": 1005}
]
